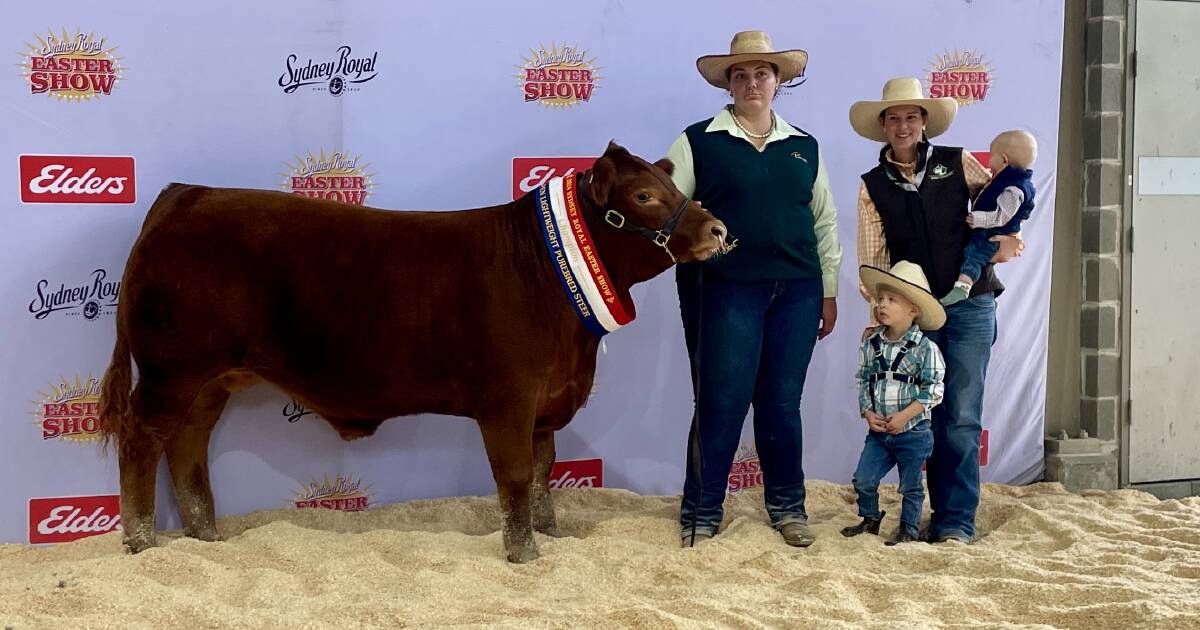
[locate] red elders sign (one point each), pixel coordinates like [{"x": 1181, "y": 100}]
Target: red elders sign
[
  {"x": 579, "y": 473},
  {"x": 77, "y": 179},
  {"x": 531, "y": 172},
  {"x": 63, "y": 519}
]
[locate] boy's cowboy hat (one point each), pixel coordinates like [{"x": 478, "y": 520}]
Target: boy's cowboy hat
[
  {"x": 864, "y": 115},
  {"x": 751, "y": 46},
  {"x": 908, "y": 280}
]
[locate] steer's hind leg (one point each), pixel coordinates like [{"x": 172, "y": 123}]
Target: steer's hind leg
[
  {"x": 508, "y": 438},
  {"x": 138, "y": 452},
  {"x": 159, "y": 406},
  {"x": 187, "y": 457}
]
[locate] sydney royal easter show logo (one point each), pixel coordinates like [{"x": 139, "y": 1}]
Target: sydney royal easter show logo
[
  {"x": 746, "y": 471},
  {"x": 336, "y": 176},
  {"x": 73, "y": 67},
  {"x": 559, "y": 76},
  {"x": 70, "y": 411},
  {"x": 343, "y": 492},
  {"x": 964, "y": 75}
]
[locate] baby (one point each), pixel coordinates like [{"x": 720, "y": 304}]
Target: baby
[{"x": 1005, "y": 201}]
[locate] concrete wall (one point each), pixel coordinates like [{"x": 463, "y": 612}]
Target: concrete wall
[
  {"x": 1063, "y": 370},
  {"x": 1084, "y": 404}
]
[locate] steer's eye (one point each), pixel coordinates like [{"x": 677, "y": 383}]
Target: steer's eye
[{"x": 643, "y": 197}]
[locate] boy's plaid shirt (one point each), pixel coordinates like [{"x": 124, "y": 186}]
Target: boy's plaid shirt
[{"x": 923, "y": 361}]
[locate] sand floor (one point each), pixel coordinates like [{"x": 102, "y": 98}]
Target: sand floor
[{"x": 1045, "y": 559}]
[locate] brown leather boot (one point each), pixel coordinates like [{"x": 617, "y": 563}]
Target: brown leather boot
[
  {"x": 688, "y": 540},
  {"x": 797, "y": 534}
]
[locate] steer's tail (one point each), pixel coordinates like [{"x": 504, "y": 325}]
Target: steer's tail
[{"x": 116, "y": 415}]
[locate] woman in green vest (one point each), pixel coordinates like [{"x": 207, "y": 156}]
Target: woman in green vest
[
  {"x": 752, "y": 317},
  {"x": 913, "y": 206}
]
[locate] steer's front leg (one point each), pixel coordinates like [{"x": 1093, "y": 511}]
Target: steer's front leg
[
  {"x": 509, "y": 444},
  {"x": 542, "y": 506}
]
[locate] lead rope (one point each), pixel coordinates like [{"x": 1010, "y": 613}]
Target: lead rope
[{"x": 694, "y": 433}]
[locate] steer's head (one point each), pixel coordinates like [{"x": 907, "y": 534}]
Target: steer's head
[{"x": 637, "y": 197}]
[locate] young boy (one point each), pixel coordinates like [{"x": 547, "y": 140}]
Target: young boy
[
  {"x": 999, "y": 208},
  {"x": 899, "y": 381}
]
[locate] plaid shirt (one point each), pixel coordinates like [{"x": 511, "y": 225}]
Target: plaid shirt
[
  {"x": 923, "y": 361},
  {"x": 872, "y": 245}
]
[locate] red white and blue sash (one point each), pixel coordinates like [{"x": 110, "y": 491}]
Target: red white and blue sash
[{"x": 588, "y": 286}]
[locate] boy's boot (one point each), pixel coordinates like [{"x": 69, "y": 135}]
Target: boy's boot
[
  {"x": 903, "y": 534},
  {"x": 867, "y": 526}
]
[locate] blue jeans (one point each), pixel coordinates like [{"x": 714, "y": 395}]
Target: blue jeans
[
  {"x": 881, "y": 451},
  {"x": 756, "y": 339},
  {"x": 966, "y": 343}
]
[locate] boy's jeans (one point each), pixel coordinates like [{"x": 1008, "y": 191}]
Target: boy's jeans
[{"x": 881, "y": 451}]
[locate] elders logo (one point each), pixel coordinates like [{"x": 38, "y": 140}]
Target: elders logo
[
  {"x": 63, "y": 519},
  {"x": 578, "y": 473},
  {"x": 70, "y": 411},
  {"x": 557, "y": 77},
  {"x": 746, "y": 471},
  {"x": 72, "y": 67},
  {"x": 77, "y": 179},
  {"x": 337, "y": 178},
  {"x": 964, "y": 75},
  {"x": 341, "y": 493},
  {"x": 336, "y": 76},
  {"x": 983, "y": 452},
  {"x": 91, "y": 299},
  {"x": 531, "y": 172}
]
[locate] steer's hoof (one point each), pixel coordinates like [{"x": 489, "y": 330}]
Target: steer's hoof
[
  {"x": 207, "y": 534},
  {"x": 522, "y": 555},
  {"x": 551, "y": 531},
  {"x": 138, "y": 544}
]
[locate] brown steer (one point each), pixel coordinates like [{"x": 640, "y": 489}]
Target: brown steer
[{"x": 364, "y": 315}]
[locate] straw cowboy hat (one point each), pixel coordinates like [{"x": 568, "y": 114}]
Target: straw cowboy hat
[
  {"x": 907, "y": 279},
  {"x": 864, "y": 115},
  {"x": 751, "y": 46}
]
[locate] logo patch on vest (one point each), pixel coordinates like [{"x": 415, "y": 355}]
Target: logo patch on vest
[
  {"x": 940, "y": 172},
  {"x": 798, "y": 156}
]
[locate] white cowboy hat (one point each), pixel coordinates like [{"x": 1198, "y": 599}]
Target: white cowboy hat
[
  {"x": 751, "y": 46},
  {"x": 864, "y": 115},
  {"x": 907, "y": 279}
]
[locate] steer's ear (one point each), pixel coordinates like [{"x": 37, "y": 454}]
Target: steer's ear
[
  {"x": 600, "y": 180},
  {"x": 667, "y": 166}
]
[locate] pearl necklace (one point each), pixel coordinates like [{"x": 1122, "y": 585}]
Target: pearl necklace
[{"x": 758, "y": 136}]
